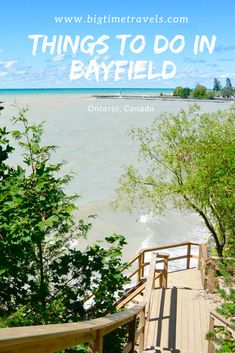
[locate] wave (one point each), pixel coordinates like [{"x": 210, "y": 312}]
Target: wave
[{"x": 165, "y": 230}]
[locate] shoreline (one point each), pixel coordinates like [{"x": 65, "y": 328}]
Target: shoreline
[
  {"x": 163, "y": 98},
  {"x": 138, "y": 94}
]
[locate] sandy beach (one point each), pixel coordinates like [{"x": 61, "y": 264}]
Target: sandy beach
[{"x": 93, "y": 137}]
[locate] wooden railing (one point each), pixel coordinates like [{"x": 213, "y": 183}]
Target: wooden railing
[
  {"x": 202, "y": 261},
  {"x": 52, "y": 338},
  {"x": 139, "y": 261},
  {"x": 208, "y": 266},
  {"x": 216, "y": 320},
  {"x": 150, "y": 284},
  {"x": 141, "y": 286},
  {"x": 140, "y": 264}
]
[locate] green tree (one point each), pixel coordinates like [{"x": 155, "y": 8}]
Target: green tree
[
  {"x": 228, "y": 92},
  {"x": 199, "y": 92},
  {"x": 178, "y": 91},
  {"x": 44, "y": 277},
  {"x": 186, "y": 92},
  {"x": 217, "y": 85},
  {"x": 228, "y": 83},
  {"x": 183, "y": 92},
  {"x": 189, "y": 163}
]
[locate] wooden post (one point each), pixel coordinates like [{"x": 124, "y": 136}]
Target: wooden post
[
  {"x": 204, "y": 266},
  {"x": 96, "y": 346},
  {"x": 161, "y": 280},
  {"x": 131, "y": 334},
  {"x": 142, "y": 263},
  {"x": 139, "y": 273},
  {"x": 211, "y": 276},
  {"x": 211, "y": 347},
  {"x": 165, "y": 272},
  {"x": 188, "y": 255},
  {"x": 142, "y": 332},
  {"x": 199, "y": 257},
  {"x": 150, "y": 284}
]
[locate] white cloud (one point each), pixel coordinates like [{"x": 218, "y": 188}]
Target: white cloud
[
  {"x": 58, "y": 58},
  {"x": 3, "y": 73},
  {"x": 7, "y": 64},
  {"x": 227, "y": 74}
]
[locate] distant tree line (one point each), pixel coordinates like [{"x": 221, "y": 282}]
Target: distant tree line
[
  {"x": 227, "y": 91},
  {"x": 201, "y": 92}
]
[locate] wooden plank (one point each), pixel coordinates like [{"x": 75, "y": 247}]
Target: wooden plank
[
  {"x": 169, "y": 246},
  {"x": 154, "y": 316},
  {"x": 220, "y": 318},
  {"x": 190, "y": 320},
  {"x": 198, "y": 339},
  {"x": 96, "y": 345},
  {"x": 211, "y": 347},
  {"x": 142, "y": 331},
  {"x": 142, "y": 258},
  {"x": 184, "y": 323},
  {"x": 179, "y": 318},
  {"x": 139, "y": 276},
  {"x": 46, "y": 345},
  {"x": 188, "y": 256},
  {"x": 205, "y": 323},
  {"x": 165, "y": 319},
  {"x": 157, "y": 315},
  {"x": 131, "y": 334},
  {"x": 56, "y": 335},
  {"x": 150, "y": 284}
]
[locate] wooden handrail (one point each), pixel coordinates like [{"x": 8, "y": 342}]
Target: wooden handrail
[
  {"x": 139, "y": 258},
  {"x": 222, "y": 319},
  {"x": 150, "y": 284},
  {"x": 202, "y": 259},
  {"x": 214, "y": 316},
  {"x": 222, "y": 258},
  {"x": 133, "y": 293},
  {"x": 52, "y": 338},
  {"x": 130, "y": 296},
  {"x": 172, "y": 245}
]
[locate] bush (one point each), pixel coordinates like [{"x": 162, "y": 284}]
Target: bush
[
  {"x": 210, "y": 95},
  {"x": 228, "y": 92},
  {"x": 180, "y": 91},
  {"x": 199, "y": 92}
]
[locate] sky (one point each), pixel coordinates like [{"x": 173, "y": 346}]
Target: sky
[{"x": 19, "y": 68}]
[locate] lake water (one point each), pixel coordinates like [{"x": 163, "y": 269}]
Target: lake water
[{"x": 93, "y": 137}]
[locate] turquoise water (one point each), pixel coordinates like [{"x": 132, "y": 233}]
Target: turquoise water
[{"x": 14, "y": 91}]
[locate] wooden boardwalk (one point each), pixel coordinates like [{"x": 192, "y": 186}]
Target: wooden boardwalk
[
  {"x": 179, "y": 316},
  {"x": 164, "y": 312}
]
